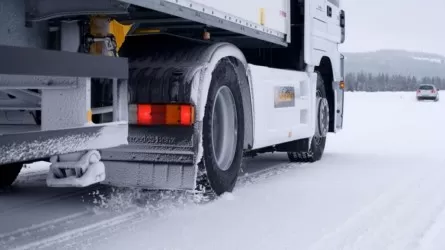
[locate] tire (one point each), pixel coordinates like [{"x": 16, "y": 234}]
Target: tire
[
  {"x": 9, "y": 173},
  {"x": 318, "y": 142},
  {"x": 223, "y": 142}
]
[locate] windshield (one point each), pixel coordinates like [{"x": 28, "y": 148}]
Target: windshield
[{"x": 426, "y": 87}]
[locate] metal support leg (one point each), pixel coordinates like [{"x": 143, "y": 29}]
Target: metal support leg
[
  {"x": 120, "y": 100},
  {"x": 76, "y": 170}
]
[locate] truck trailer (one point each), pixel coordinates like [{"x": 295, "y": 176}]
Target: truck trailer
[{"x": 166, "y": 94}]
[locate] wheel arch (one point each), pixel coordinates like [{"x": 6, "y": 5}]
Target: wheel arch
[
  {"x": 227, "y": 52},
  {"x": 326, "y": 70},
  {"x": 197, "y": 61}
]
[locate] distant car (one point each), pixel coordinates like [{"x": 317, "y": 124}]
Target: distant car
[{"x": 427, "y": 92}]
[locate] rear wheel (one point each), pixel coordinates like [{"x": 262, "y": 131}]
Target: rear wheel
[
  {"x": 9, "y": 173},
  {"x": 318, "y": 141},
  {"x": 223, "y": 130}
]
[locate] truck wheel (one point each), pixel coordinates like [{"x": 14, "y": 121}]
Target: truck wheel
[
  {"x": 318, "y": 142},
  {"x": 8, "y": 174},
  {"x": 223, "y": 130}
]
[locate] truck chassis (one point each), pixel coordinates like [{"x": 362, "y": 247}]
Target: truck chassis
[{"x": 205, "y": 88}]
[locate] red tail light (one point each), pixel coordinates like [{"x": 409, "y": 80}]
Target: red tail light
[
  {"x": 162, "y": 114},
  {"x": 144, "y": 114},
  {"x": 432, "y": 91},
  {"x": 187, "y": 115}
]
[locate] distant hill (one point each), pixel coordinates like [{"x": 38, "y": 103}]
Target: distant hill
[{"x": 396, "y": 62}]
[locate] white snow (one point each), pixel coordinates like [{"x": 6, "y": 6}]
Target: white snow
[
  {"x": 380, "y": 185},
  {"x": 36, "y": 167},
  {"x": 433, "y": 60}
]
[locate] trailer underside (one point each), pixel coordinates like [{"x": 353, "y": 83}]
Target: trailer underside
[{"x": 59, "y": 81}]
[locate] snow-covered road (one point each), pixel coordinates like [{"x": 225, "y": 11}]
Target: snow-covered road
[{"x": 380, "y": 185}]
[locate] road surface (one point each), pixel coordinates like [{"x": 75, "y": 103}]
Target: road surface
[{"x": 380, "y": 185}]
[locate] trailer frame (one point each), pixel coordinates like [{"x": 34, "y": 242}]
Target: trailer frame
[{"x": 63, "y": 81}]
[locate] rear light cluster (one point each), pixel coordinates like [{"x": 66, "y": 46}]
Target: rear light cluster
[{"x": 162, "y": 114}]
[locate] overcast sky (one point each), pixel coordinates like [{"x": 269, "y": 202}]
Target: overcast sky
[{"x": 417, "y": 25}]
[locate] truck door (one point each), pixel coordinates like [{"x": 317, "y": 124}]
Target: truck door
[
  {"x": 333, "y": 16},
  {"x": 315, "y": 29}
]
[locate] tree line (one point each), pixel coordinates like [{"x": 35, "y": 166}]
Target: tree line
[{"x": 384, "y": 82}]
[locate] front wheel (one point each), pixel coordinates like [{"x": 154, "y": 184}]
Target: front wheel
[
  {"x": 9, "y": 173},
  {"x": 318, "y": 141},
  {"x": 223, "y": 130}
]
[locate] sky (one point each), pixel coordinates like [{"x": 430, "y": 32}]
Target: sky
[{"x": 415, "y": 25}]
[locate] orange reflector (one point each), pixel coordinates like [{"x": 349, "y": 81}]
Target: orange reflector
[
  {"x": 89, "y": 116},
  {"x": 342, "y": 85},
  {"x": 165, "y": 114},
  {"x": 172, "y": 114}
]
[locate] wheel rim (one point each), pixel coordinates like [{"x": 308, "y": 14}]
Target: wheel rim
[
  {"x": 224, "y": 128},
  {"x": 322, "y": 123}
]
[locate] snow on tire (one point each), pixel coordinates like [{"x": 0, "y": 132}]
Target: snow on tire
[
  {"x": 223, "y": 130},
  {"x": 318, "y": 141}
]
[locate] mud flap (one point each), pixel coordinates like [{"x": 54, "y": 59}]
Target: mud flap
[{"x": 156, "y": 158}]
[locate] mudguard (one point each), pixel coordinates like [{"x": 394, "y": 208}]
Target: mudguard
[{"x": 166, "y": 157}]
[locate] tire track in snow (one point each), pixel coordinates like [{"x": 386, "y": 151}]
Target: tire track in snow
[
  {"x": 394, "y": 220},
  {"x": 261, "y": 175},
  {"x": 83, "y": 236},
  {"x": 435, "y": 232},
  {"x": 78, "y": 231},
  {"x": 26, "y": 234},
  {"x": 30, "y": 205}
]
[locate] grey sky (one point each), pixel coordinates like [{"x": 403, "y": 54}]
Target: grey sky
[{"x": 417, "y": 25}]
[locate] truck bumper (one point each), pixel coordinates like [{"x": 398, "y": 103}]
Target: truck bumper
[{"x": 431, "y": 98}]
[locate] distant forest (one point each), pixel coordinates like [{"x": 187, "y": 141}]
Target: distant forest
[{"x": 383, "y": 82}]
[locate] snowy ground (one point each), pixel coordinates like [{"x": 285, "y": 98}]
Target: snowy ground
[{"x": 379, "y": 186}]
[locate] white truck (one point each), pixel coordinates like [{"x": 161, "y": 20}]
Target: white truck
[{"x": 166, "y": 94}]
